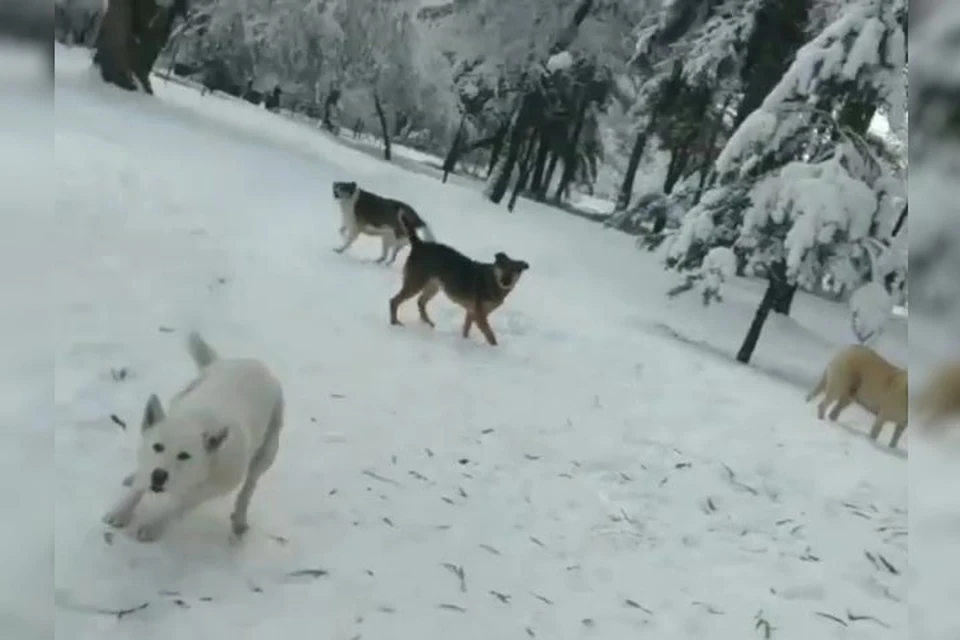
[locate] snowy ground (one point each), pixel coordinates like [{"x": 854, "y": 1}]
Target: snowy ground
[{"x": 594, "y": 476}]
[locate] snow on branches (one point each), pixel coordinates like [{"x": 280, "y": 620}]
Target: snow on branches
[
  {"x": 862, "y": 53},
  {"x": 815, "y": 192}
]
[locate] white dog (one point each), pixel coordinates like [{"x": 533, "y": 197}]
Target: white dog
[{"x": 222, "y": 431}]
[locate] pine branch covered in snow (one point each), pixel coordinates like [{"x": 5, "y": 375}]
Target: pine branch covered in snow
[{"x": 801, "y": 182}]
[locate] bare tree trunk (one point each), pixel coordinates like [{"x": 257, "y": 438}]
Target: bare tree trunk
[
  {"x": 132, "y": 35},
  {"x": 901, "y": 221},
  {"x": 329, "y": 102},
  {"x": 518, "y": 133},
  {"x": 382, "y": 117},
  {"x": 526, "y": 165},
  {"x": 626, "y": 188},
  {"x": 114, "y": 48},
  {"x": 570, "y": 152},
  {"x": 679, "y": 159},
  {"x": 551, "y": 167},
  {"x": 538, "y": 187},
  {"x": 777, "y": 287},
  {"x": 497, "y": 147},
  {"x": 450, "y": 162}
]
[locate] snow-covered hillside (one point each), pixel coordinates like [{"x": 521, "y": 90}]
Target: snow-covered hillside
[{"x": 591, "y": 477}]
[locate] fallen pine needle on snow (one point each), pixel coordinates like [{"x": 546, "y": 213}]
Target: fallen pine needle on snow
[{"x": 459, "y": 572}]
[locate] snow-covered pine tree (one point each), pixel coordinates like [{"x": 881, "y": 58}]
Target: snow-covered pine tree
[
  {"x": 696, "y": 59},
  {"x": 804, "y": 192}
]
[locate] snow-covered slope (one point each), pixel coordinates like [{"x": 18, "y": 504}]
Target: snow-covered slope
[{"x": 588, "y": 478}]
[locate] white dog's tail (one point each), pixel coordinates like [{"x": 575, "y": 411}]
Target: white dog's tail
[
  {"x": 428, "y": 233},
  {"x": 201, "y": 352}
]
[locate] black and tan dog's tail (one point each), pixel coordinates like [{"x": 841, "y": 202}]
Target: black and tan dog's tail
[{"x": 409, "y": 223}]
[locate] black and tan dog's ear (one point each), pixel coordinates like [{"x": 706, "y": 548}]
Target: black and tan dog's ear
[
  {"x": 523, "y": 265},
  {"x": 500, "y": 257}
]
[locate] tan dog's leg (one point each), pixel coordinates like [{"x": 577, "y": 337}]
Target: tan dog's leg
[
  {"x": 413, "y": 283},
  {"x": 877, "y": 427},
  {"x": 846, "y": 397},
  {"x": 897, "y": 432},
  {"x": 426, "y": 295}
]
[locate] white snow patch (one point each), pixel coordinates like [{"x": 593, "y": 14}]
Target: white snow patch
[{"x": 559, "y": 61}]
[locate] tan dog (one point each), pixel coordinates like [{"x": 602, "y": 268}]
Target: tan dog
[
  {"x": 859, "y": 374},
  {"x": 940, "y": 398}
]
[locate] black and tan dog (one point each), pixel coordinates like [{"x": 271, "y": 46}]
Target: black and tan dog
[
  {"x": 366, "y": 212},
  {"x": 478, "y": 287}
]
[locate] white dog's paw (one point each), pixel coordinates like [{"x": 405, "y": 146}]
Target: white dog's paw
[
  {"x": 150, "y": 531},
  {"x": 118, "y": 518},
  {"x": 238, "y": 527}
]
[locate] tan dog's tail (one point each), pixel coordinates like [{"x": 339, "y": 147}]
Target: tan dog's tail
[
  {"x": 817, "y": 390},
  {"x": 201, "y": 352}
]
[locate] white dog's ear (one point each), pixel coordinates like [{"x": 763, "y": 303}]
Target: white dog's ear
[
  {"x": 153, "y": 413},
  {"x": 212, "y": 441}
]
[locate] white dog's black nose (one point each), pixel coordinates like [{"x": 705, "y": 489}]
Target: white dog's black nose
[{"x": 158, "y": 478}]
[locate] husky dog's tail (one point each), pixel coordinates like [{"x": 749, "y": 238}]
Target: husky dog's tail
[
  {"x": 201, "y": 352},
  {"x": 428, "y": 233}
]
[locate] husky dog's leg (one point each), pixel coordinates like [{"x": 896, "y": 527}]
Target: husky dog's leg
[
  {"x": 122, "y": 512},
  {"x": 153, "y": 528},
  {"x": 350, "y": 235},
  {"x": 386, "y": 243},
  {"x": 259, "y": 463},
  {"x": 398, "y": 243}
]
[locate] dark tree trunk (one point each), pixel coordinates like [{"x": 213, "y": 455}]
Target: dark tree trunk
[
  {"x": 538, "y": 188},
  {"x": 636, "y": 154},
  {"x": 531, "y": 108},
  {"x": 679, "y": 158},
  {"x": 115, "y": 43},
  {"x": 400, "y": 121},
  {"x": 901, "y": 221},
  {"x": 710, "y": 154},
  {"x": 518, "y": 133},
  {"x": 450, "y": 162},
  {"x": 777, "y": 287},
  {"x": 382, "y": 117},
  {"x": 496, "y": 147},
  {"x": 331, "y": 100},
  {"x": 526, "y": 166},
  {"x": 785, "y": 301},
  {"x": 857, "y": 114},
  {"x": 570, "y": 151},
  {"x": 779, "y": 32},
  {"x": 551, "y": 168},
  {"x": 132, "y": 34}
]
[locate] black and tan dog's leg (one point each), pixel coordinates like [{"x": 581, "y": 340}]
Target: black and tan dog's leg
[
  {"x": 426, "y": 295},
  {"x": 467, "y": 324},
  {"x": 350, "y": 235},
  {"x": 484, "y": 325},
  {"x": 413, "y": 283}
]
